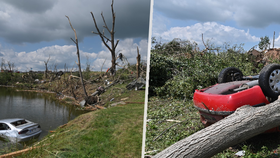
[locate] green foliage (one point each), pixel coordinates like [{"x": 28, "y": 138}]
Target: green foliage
[
  {"x": 264, "y": 43},
  {"x": 261, "y": 154},
  {"x": 177, "y": 75},
  {"x": 8, "y": 78},
  {"x": 161, "y": 70}
]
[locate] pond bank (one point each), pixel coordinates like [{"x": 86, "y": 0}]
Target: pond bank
[{"x": 118, "y": 129}]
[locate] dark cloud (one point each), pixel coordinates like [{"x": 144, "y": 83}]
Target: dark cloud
[
  {"x": 37, "y": 21},
  {"x": 32, "y": 6}
]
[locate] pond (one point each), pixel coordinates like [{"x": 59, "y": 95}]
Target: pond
[{"x": 36, "y": 107}]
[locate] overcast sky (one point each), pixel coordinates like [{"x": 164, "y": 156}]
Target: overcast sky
[
  {"x": 32, "y": 30},
  {"x": 229, "y": 21}
]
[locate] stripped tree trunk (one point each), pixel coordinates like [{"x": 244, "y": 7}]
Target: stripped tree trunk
[
  {"x": 78, "y": 54},
  {"x": 244, "y": 123},
  {"x": 46, "y": 65},
  {"x": 138, "y": 58},
  {"x": 105, "y": 39}
]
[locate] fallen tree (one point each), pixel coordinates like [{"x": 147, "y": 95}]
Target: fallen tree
[{"x": 244, "y": 123}]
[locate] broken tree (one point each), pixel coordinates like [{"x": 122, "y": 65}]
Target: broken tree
[
  {"x": 78, "y": 54},
  {"x": 244, "y": 123},
  {"x": 105, "y": 39},
  {"x": 138, "y": 58},
  {"x": 46, "y": 65}
]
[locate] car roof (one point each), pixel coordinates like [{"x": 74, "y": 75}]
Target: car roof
[{"x": 10, "y": 120}]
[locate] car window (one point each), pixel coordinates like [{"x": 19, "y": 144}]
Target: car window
[
  {"x": 3, "y": 126},
  {"x": 18, "y": 122}
]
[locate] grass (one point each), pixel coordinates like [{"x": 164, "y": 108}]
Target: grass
[
  {"x": 112, "y": 132},
  {"x": 163, "y": 126},
  {"x": 161, "y": 133}
]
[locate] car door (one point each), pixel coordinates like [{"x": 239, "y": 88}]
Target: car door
[{"x": 5, "y": 130}]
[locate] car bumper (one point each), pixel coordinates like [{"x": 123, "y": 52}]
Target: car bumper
[{"x": 25, "y": 137}]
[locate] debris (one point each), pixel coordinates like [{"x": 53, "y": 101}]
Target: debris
[
  {"x": 121, "y": 56},
  {"x": 130, "y": 102},
  {"x": 240, "y": 153},
  {"x": 100, "y": 107},
  {"x": 112, "y": 99},
  {"x": 118, "y": 103},
  {"x": 90, "y": 108},
  {"x": 82, "y": 103},
  {"x": 124, "y": 98},
  {"x": 92, "y": 100},
  {"x": 147, "y": 152},
  {"x": 170, "y": 120},
  {"x": 107, "y": 82},
  {"x": 137, "y": 84}
]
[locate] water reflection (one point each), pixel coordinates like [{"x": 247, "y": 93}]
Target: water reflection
[{"x": 36, "y": 107}]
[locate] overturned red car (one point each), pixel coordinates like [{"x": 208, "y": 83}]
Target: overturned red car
[{"x": 235, "y": 90}]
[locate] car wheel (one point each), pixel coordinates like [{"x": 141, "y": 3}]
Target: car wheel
[
  {"x": 230, "y": 74},
  {"x": 269, "y": 80}
]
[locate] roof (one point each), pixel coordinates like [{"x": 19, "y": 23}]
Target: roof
[{"x": 11, "y": 120}]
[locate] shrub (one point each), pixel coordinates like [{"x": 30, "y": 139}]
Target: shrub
[{"x": 177, "y": 75}]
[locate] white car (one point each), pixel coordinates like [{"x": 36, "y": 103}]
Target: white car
[{"x": 19, "y": 129}]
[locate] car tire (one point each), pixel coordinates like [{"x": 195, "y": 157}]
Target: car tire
[
  {"x": 230, "y": 74},
  {"x": 269, "y": 80}
]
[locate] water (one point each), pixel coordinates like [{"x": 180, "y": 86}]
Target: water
[{"x": 36, "y": 107}]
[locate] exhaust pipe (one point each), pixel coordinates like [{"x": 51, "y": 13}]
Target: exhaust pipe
[{"x": 247, "y": 85}]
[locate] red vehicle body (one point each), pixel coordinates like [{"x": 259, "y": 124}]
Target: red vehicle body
[{"x": 218, "y": 101}]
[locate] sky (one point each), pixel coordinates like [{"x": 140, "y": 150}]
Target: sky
[
  {"x": 234, "y": 22},
  {"x": 31, "y": 31}
]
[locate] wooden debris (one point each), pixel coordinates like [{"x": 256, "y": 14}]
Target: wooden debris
[
  {"x": 99, "y": 107},
  {"x": 135, "y": 102},
  {"x": 124, "y": 98},
  {"x": 170, "y": 120},
  {"x": 18, "y": 153}
]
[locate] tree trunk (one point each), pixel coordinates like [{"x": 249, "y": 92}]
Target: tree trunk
[
  {"x": 244, "y": 123},
  {"x": 138, "y": 58},
  {"x": 78, "y": 54},
  {"x": 105, "y": 39}
]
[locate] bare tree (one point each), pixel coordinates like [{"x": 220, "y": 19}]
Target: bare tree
[
  {"x": 138, "y": 63},
  {"x": 105, "y": 39},
  {"x": 10, "y": 65},
  {"x": 46, "y": 65},
  {"x": 3, "y": 64},
  {"x": 78, "y": 54}
]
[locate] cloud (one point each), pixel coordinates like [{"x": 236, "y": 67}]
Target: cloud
[
  {"x": 203, "y": 10},
  {"x": 249, "y": 13},
  {"x": 217, "y": 33},
  {"x": 159, "y": 23},
  {"x": 59, "y": 55},
  {"x": 36, "y": 7},
  {"x": 34, "y": 21}
]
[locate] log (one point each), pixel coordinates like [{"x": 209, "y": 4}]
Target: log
[{"x": 246, "y": 122}]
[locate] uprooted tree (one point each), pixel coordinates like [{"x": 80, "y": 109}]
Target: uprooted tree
[
  {"x": 246, "y": 122},
  {"x": 106, "y": 39}
]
